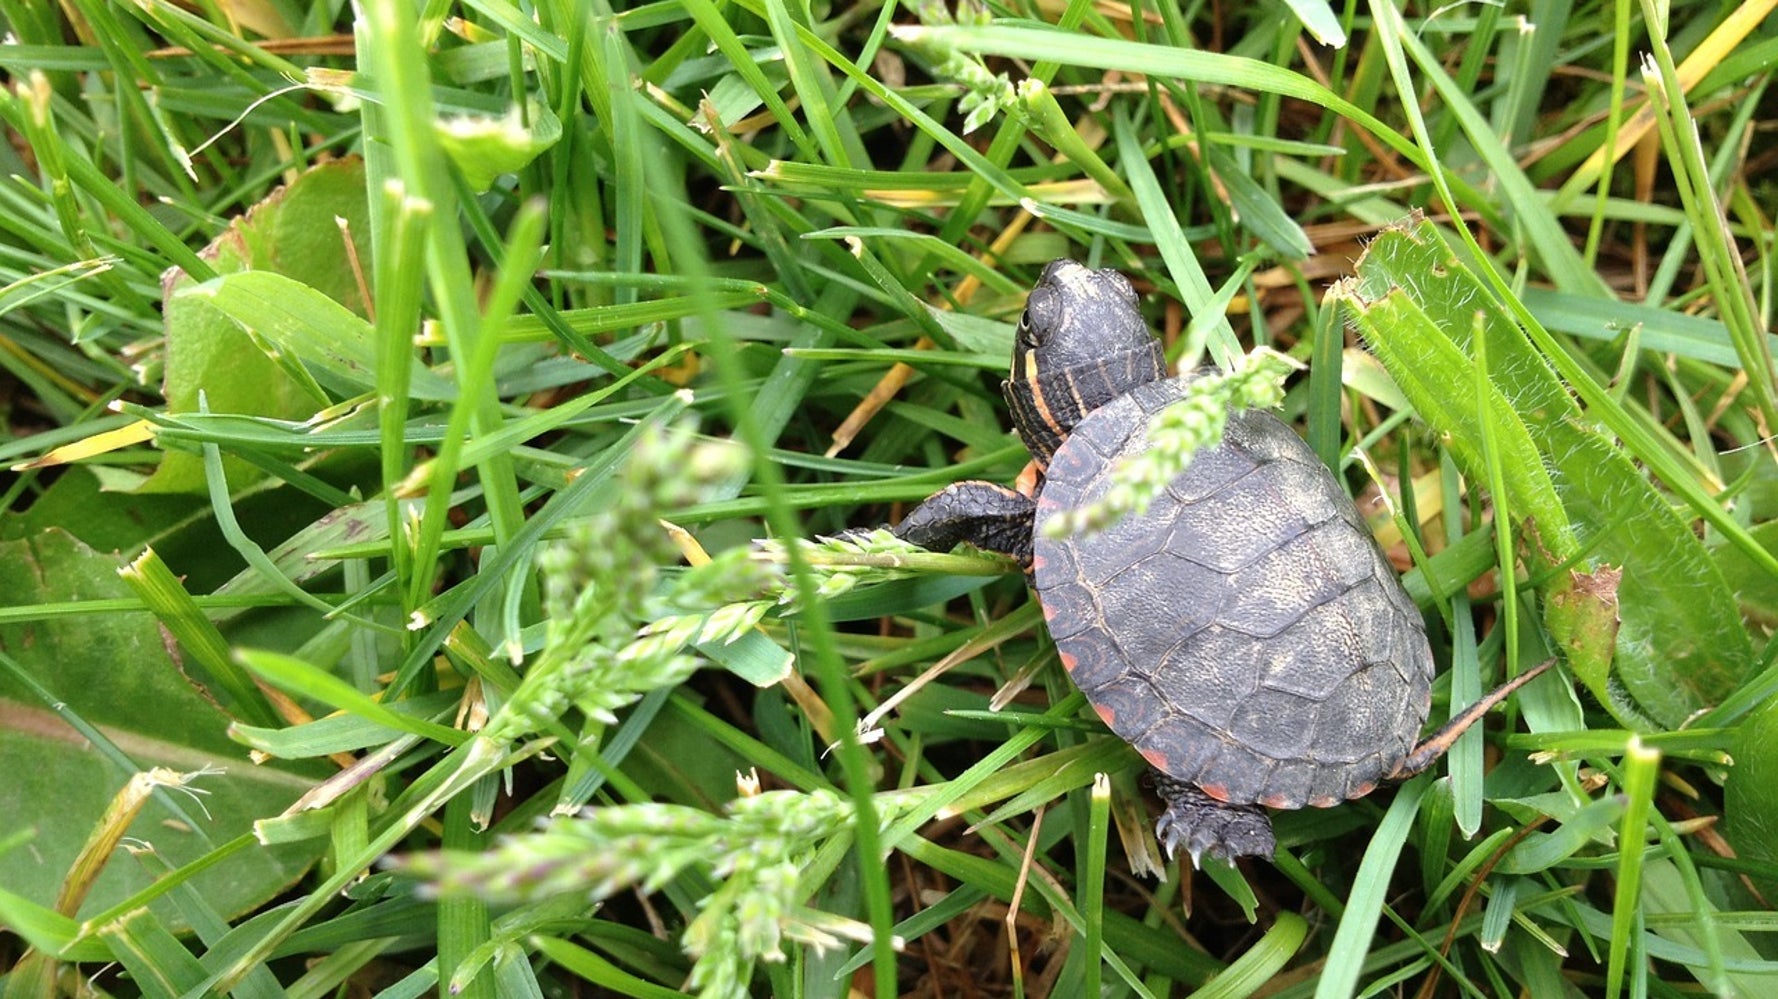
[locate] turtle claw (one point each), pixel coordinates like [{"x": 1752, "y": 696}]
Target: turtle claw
[{"x": 1203, "y": 825}]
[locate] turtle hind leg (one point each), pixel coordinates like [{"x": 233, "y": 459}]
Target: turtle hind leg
[
  {"x": 1201, "y": 824},
  {"x": 990, "y": 517},
  {"x": 1427, "y": 753}
]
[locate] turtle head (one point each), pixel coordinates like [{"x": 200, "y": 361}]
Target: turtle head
[{"x": 1081, "y": 343}]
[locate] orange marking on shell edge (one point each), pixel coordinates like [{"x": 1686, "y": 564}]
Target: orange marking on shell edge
[
  {"x": 1026, "y": 483},
  {"x": 1106, "y": 715},
  {"x": 1069, "y": 662},
  {"x": 1215, "y": 791},
  {"x": 1156, "y": 759},
  {"x": 1279, "y": 800},
  {"x": 1362, "y": 790},
  {"x": 1049, "y": 614},
  {"x": 1324, "y": 801}
]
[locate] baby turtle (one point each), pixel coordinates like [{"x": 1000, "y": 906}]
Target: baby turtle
[{"x": 1246, "y": 634}]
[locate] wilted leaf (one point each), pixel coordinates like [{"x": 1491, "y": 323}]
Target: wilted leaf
[{"x": 1580, "y": 609}]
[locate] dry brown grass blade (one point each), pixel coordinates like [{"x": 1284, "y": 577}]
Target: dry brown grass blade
[{"x": 893, "y": 380}]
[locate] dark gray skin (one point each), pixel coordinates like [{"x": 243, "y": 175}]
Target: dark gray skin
[{"x": 1246, "y": 635}]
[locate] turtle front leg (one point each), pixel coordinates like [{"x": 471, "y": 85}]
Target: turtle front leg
[
  {"x": 990, "y": 517},
  {"x": 1203, "y": 825}
]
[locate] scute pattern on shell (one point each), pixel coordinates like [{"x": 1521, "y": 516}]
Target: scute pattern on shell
[{"x": 1246, "y": 634}]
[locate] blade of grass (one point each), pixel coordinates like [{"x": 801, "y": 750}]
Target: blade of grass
[
  {"x": 1092, "y": 885},
  {"x": 463, "y": 921},
  {"x": 245, "y": 546},
  {"x": 608, "y": 60},
  {"x": 1072, "y": 49},
  {"x": 1543, "y": 235},
  {"x": 168, "y": 600},
  {"x": 294, "y": 676},
  {"x": 815, "y": 627},
  {"x": 398, "y": 292},
  {"x": 1209, "y": 325},
  {"x": 389, "y": 44},
  {"x": 158, "y": 963},
  {"x": 1351, "y": 945},
  {"x": 839, "y": 142},
  {"x": 1642, "y": 767},
  {"x": 1261, "y": 962},
  {"x": 1722, "y": 261}
]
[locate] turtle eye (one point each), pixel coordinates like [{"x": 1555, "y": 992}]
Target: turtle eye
[
  {"x": 1123, "y": 285},
  {"x": 1040, "y": 317}
]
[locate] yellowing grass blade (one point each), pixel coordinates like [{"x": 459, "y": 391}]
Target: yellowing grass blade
[{"x": 87, "y": 447}]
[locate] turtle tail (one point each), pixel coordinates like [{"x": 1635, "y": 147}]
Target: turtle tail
[{"x": 1428, "y": 752}]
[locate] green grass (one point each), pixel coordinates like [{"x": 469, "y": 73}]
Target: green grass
[{"x": 472, "y": 302}]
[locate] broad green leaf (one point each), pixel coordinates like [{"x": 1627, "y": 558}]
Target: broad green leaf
[
  {"x": 83, "y": 503},
  {"x": 113, "y": 672},
  {"x": 1755, "y": 588},
  {"x": 294, "y": 232},
  {"x": 1434, "y": 374},
  {"x": 1320, "y": 20},
  {"x": 753, "y": 657},
  {"x": 1680, "y": 646},
  {"x": 1260, "y": 213},
  {"x": 299, "y": 324},
  {"x": 485, "y": 147},
  {"x": 1750, "y": 795}
]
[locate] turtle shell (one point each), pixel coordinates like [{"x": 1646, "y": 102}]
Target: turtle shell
[{"x": 1246, "y": 633}]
